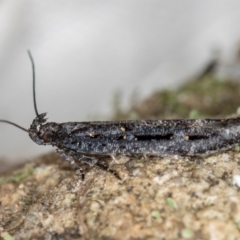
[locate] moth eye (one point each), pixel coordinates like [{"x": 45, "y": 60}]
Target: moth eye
[{"x": 47, "y": 136}]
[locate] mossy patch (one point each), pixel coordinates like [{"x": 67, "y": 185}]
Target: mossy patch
[
  {"x": 210, "y": 97},
  {"x": 18, "y": 176}
]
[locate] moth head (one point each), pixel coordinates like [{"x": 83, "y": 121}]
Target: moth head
[{"x": 43, "y": 134}]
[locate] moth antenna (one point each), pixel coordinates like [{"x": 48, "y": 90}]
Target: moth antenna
[
  {"x": 33, "y": 76},
  {"x": 34, "y": 96},
  {"x": 14, "y": 124}
]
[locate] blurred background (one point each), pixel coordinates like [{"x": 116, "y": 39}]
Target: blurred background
[{"x": 88, "y": 52}]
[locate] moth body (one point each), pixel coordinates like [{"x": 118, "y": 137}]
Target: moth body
[{"x": 87, "y": 140}]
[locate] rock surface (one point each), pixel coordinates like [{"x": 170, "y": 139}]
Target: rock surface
[{"x": 169, "y": 198}]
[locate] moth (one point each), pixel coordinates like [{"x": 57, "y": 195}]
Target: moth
[{"x": 86, "y": 142}]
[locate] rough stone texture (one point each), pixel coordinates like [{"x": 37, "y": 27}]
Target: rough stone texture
[{"x": 168, "y": 198}]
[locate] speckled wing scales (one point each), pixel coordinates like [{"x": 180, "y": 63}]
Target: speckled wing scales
[{"x": 151, "y": 137}]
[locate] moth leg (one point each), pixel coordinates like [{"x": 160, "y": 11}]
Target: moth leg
[
  {"x": 90, "y": 161},
  {"x": 114, "y": 158},
  {"x": 145, "y": 157},
  {"x": 67, "y": 157},
  {"x": 94, "y": 162},
  {"x": 106, "y": 168},
  {"x": 73, "y": 157},
  {"x": 122, "y": 159}
]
